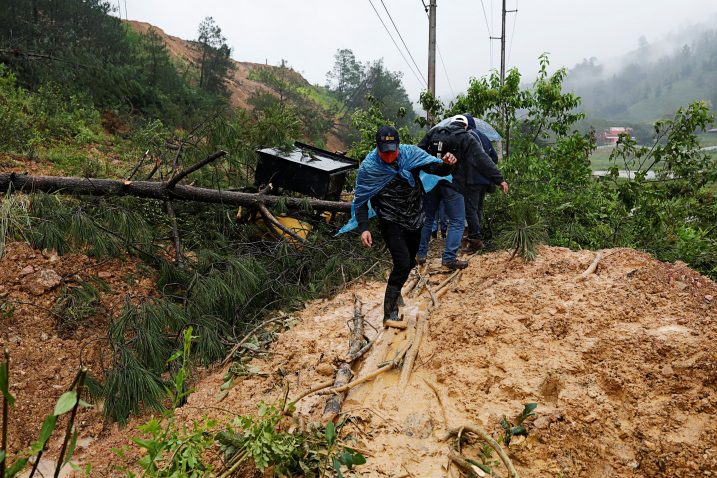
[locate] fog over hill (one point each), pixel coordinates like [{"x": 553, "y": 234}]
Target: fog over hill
[{"x": 654, "y": 79}]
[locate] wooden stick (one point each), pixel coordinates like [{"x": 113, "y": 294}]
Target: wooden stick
[
  {"x": 315, "y": 389},
  {"x": 421, "y": 320},
  {"x": 185, "y": 172},
  {"x": 247, "y": 336},
  {"x": 592, "y": 267},
  {"x": 344, "y": 373},
  {"x": 396, "y": 324},
  {"x": 485, "y": 436},
  {"x": 266, "y": 214},
  {"x": 359, "y": 381}
]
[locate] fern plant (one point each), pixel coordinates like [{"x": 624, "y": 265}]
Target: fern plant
[{"x": 526, "y": 231}]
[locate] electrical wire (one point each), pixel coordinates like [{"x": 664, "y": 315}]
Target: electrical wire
[
  {"x": 445, "y": 71},
  {"x": 402, "y": 41},
  {"x": 515, "y": 17},
  {"x": 396, "y": 44},
  {"x": 490, "y": 34}
]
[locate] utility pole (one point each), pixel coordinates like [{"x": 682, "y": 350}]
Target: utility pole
[
  {"x": 431, "y": 53},
  {"x": 506, "y": 126}
]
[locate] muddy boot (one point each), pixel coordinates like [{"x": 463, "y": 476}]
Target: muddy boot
[
  {"x": 472, "y": 245},
  {"x": 390, "y": 303}
]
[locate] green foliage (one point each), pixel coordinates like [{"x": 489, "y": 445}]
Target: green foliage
[
  {"x": 83, "y": 50},
  {"x": 525, "y": 233},
  {"x": 518, "y": 426},
  {"x": 289, "y": 450},
  {"x": 172, "y": 450},
  {"x": 29, "y": 120},
  {"x": 14, "y": 218},
  {"x": 76, "y": 303}
]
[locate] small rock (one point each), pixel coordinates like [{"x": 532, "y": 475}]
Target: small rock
[
  {"x": 104, "y": 275},
  {"x": 681, "y": 285},
  {"x": 43, "y": 281},
  {"x": 667, "y": 371},
  {"x": 325, "y": 369},
  {"x": 54, "y": 258},
  {"x": 592, "y": 393},
  {"x": 27, "y": 270},
  {"x": 708, "y": 298},
  {"x": 418, "y": 425},
  {"x": 590, "y": 418},
  {"x": 44, "y": 336}
]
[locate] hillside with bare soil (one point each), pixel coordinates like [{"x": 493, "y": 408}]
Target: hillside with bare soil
[
  {"x": 240, "y": 84},
  {"x": 622, "y": 365}
]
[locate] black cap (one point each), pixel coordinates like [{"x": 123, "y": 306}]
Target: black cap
[{"x": 387, "y": 139}]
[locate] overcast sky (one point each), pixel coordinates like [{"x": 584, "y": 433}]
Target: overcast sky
[{"x": 307, "y": 33}]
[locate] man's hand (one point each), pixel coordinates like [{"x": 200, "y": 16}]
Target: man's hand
[
  {"x": 504, "y": 187},
  {"x": 366, "y": 239},
  {"x": 449, "y": 159}
]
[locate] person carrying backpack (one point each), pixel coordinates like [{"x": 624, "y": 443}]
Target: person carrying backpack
[{"x": 454, "y": 138}]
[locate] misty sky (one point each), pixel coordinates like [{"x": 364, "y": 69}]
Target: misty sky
[{"x": 307, "y": 33}]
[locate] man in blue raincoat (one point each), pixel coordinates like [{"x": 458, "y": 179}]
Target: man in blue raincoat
[{"x": 389, "y": 179}]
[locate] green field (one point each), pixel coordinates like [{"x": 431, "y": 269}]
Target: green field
[{"x": 600, "y": 159}]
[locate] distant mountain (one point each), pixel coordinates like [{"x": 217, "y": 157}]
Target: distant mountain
[{"x": 652, "y": 81}]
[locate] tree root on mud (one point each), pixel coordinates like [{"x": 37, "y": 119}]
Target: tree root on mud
[
  {"x": 592, "y": 268},
  {"x": 485, "y": 436},
  {"x": 461, "y": 462}
]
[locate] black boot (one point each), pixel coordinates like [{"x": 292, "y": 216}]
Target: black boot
[{"x": 390, "y": 303}]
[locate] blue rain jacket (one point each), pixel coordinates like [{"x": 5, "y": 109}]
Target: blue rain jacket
[{"x": 374, "y": 174}]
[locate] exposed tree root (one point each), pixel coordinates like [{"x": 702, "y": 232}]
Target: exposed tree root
[
  {"x": 396, "y": 324},
  {"x": 485, "y": 436},
  {"x": 460, "y": 461},
  {"x": 592, "y": 268},
  {"x": 440, "y": 402}
]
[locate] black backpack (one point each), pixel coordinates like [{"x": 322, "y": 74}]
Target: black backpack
[{"x": 444, "y": 139}]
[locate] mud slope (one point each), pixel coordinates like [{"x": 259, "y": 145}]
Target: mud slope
[{"x": 622, "y": 365}]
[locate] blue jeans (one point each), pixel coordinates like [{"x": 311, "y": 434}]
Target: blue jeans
[
  {"x": 440, "y": 219},
  {"x": 455, "y": 213},
  {"x": 474, "y": 209}
]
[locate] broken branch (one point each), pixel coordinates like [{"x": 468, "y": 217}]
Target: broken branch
[{"x": 185, "y": 172}]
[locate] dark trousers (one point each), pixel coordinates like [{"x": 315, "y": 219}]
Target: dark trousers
[
  {"x": 474, "y": 196},
  {"x": 403, "y": 244}
]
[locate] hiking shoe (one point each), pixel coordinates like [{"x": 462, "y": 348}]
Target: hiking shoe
[
  {"x": 420, "y": 260},
  {"x": 472, "y": 245},
  {"x": 455, "y": 264}
]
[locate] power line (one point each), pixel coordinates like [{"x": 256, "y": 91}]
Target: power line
[
  {"x": 490, "y": 34},
  {"x": 402, "y": 41},
  {"x": 446, "y": 71},
  {"x": 396, "y": 44},
  {"x": 515, "y": 17}
]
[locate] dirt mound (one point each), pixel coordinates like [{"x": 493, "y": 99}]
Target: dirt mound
[
  {"x": 43, "y": 360},
  {"x": 623, "y": 366}
]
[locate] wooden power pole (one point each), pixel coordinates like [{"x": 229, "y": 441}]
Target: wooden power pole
[
  {"x": 431, "y": 53},
  {"x": 506, "y": 126}
]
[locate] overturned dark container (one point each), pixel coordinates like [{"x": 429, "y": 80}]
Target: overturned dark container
[{"x": 304, "y": 169}]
